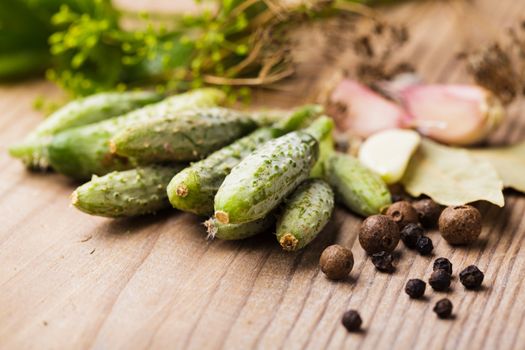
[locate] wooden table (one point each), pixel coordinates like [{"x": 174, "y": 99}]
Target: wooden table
[{"x": 71, "y": 281}]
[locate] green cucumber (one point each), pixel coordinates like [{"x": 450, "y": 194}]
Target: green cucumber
[
  {"x": 194, "y": 188},
  {"x": 326, "y": 148},
  {"x": 126, "y": 193},
  {"x": 33, "y": 150},
  {"x": 83, "y": 151},
  {"x": 305, "y": 214},
  {"x": 264, "y": 178},
  {"x": 219, "y": 230},
  {"x": 356, "y": 186},
  {"x": 190, "y": 135}
]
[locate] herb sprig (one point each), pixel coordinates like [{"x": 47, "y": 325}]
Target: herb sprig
[{"x": 233, "y": 43}]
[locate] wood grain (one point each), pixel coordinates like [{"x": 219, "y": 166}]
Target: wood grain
[{"x": 70, "y": 281}]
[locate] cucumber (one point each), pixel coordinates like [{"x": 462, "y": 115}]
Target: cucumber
[
  {"x": 83, "y": 151},
  {"x": 263, "y": 179},
  {"x": 126, "y": 193},
  {"x": 356, "y": 186},
  {"x": 193, "y": 189},
  {"x": 222, "y": 231},
  {"x": 305, "y": 214},
  {"x": 33, "y": 150},
  {"x": 190, "y": 135}
]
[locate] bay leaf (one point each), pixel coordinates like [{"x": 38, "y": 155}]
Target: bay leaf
[
  {"x": 509, "y": 162},
  {"x": 452, "y": 176}
]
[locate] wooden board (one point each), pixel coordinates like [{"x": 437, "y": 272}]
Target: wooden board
[{"x": 70, "y": 281}]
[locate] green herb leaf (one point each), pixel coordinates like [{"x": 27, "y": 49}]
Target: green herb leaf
[{"x": 452, "y": 176}]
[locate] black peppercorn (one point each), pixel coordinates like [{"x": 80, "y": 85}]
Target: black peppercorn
[
  {"x": 424, "y": 245},
  {"x": 471, "y": 277},
  {"x": 410, "y": 234},
  {"x": 443, "y": 264},
  {"x": 397, "y": 198},
  {"x": 352, "y": 321},
  {"x": 443, "y": 308},
  {"x": 415, "y": 288},
  {"x": 383, "y": 261},
  {"x": 439, "y": 280}
]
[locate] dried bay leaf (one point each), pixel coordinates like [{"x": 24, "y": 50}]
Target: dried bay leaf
[
  {"x": 509, "y": 162},
  {"x": 452, "y": 176}
]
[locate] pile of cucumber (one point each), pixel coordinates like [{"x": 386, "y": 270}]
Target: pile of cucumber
[{"x": 247, "y": 172}]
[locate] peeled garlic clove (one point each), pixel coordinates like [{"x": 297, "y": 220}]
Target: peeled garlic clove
[
  {"x": 454, "y": 114},
  {"x": 362, "y": 111},
  {"x": 387, "y": 153}
]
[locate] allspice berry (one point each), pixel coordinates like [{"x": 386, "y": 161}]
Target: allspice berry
[
  {"x": 402, "y": 213},
  {"x": 460, "y": 224},
  {"x": 378, "y": 233},
  {"x": 336, "y": 262},
  {"x": 428, "y": 212}
]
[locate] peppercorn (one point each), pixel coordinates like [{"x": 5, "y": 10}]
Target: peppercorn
[
  {"x": 415, "y": 288},
  {"x": 336, "y": 262},
  {"x": 443, "y": 264},
  {"x": 424, "y": 245},
  {"x": 383, "y": 261},
  {"x": 471, "y": 277},
  {"x": 443, "y": 308},
  {"x": 402, "y": 213},
  {"x": 410, "y": 234},
  {"x": 352, "y": 321},
  {"x": 428, "y": 212},
  {"x": 440, "y": 280},
  {"x": 460, "y": 224},
  {"x": 396, "y": 198},
  {"x": 378, "y": 233}
]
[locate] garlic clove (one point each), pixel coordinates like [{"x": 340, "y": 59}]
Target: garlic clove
[
  {"x": 387, "y": 153},
  {"x": 454, "y": 114},
  {"x": 362, "y": 111}
]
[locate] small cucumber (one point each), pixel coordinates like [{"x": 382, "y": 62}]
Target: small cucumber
[
  {"x": 356, "y": 186},
  {"x": 83, "y": 151},
  {"x": 305, "y": 214},
  {"x": 263, "y": 179},
  {"x": 194, "y": 188},
  {"x": 216, "y": 229},
  {"x": 126, "y": 193},
  {"x": 181, "y": 136},
  {"x": 33, "y": 150}
]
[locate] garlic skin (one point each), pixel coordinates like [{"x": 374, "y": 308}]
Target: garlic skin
[
  {"x": 387, "y": 153},
  {"x": 363, "y": 112},
  {"x": 459, "y": 115}
]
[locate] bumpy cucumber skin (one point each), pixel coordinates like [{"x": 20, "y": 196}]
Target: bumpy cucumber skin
[
  {"x": 230, "y": 232},
  {"x": 187, "y": 136},
  {"x": 126, "y": 193},
  {"x": 305, "y": 214},
  {"x": 357, "y": 187},
  {"x": 263, "y": 179},
  {"x": 33, "y": 150},
  {"x": 194, "y": 188},
  {"x": 83, "y": 151}
]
